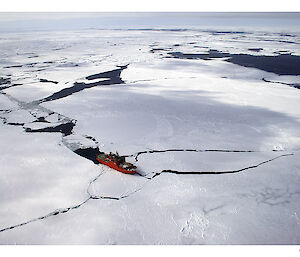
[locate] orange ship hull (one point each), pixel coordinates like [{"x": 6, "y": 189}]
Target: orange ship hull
[{"x": 106, "y": 160}]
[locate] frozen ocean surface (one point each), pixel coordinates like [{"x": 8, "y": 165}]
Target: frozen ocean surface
[{"x": 210, "y": 118}]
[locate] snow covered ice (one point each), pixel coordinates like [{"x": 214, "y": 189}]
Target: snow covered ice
[{"x": 173, "y": 102}]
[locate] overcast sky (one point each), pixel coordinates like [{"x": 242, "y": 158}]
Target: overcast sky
[{"x": 64, "y": 21}]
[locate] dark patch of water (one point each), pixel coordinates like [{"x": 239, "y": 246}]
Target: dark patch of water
[
  {"x": 92, "y": 138},
  {"x": 50, "y": 81},
  {"x": 20, "y": 65},
  {"x": 153, "y": 50},
  {"x": 171, "y": 30},
  {"x": 280, "y": 41},
  {"x": 255, "y": 49},
  {"x": 113, "y": 77},
  {"x": 157, "y": 49},
  {"x": 41, "y": 119},
  {"x": 89, "y": 153},
  {"x": 14, "y": 123},
  {"x": 31, "y": 64},
  {"x": 227, "y": 32},
  {"x": 107, "y": 74},
  {"x": 212, "y": 54},
  {"x": 13, "y": 66},
  {"x": 282, "y": 52},
  {"x": 65, "y": 129},
  {"x": 282, "y": 64},
  {"x": 287, "y": 35},
  {"x": 4, "y": 81}
]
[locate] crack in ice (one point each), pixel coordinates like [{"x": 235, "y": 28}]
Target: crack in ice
[
  {"x": 216, "y": 172},
  {"x": 135, "y": 155}
]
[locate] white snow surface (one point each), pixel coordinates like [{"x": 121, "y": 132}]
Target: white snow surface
[{"x": 51, "y": 195}]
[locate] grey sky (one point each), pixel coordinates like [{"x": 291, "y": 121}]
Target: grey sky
[{"x": 62, "y": 21}]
